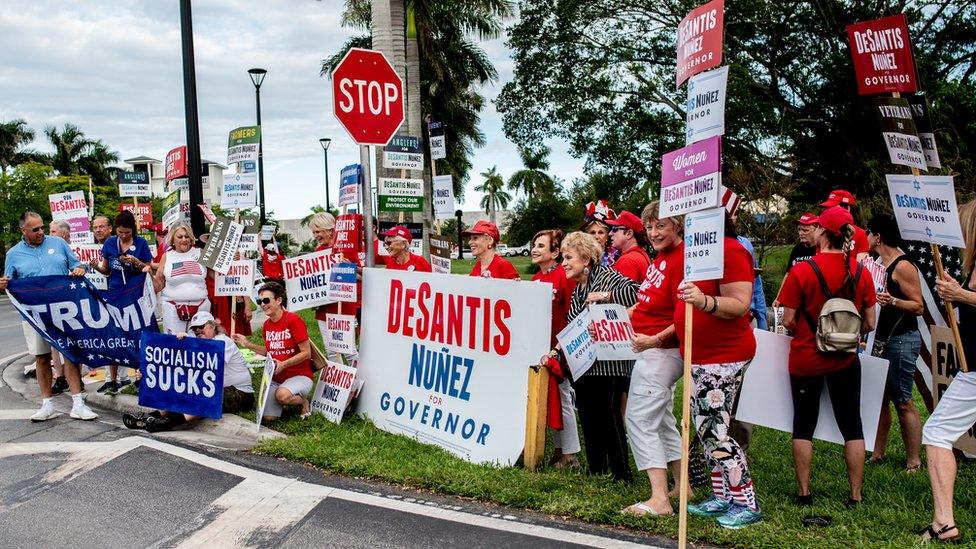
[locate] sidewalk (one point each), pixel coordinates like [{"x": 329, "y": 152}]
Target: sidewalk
[{"x": 230, "y": 426}]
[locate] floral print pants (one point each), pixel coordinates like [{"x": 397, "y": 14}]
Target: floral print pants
[{"x": 713, "y": 392}]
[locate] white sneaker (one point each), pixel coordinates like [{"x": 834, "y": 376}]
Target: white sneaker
[
  {"x": 80, "y": 410},
  {"x": 45, "y": 413}
]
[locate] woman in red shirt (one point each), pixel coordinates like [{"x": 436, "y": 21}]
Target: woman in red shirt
[
  {"x": 562, "y": 413},
  {"x": 397, "y": 242},
  {"x": 651, "y": 428},
  {"x": 483, "y": 239},
  {"x": 723, "y": 345},
  {"x": 286, "y": 341},
  {"x": 810, "y": 369}
]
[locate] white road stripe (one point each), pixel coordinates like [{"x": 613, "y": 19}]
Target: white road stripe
[
  {"x": 271, "y": 502},
  {"x": 23, "y": 413}
]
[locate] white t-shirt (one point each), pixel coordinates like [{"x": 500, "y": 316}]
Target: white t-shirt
[
  {"x": 186, "y": 278},
  {"x": 236, "y": 373}
]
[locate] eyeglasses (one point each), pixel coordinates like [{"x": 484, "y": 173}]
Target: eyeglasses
[
  {"x": 37, "y": 229},
  {"x": 264, "y": 300}
]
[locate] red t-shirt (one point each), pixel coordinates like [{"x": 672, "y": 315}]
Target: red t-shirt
[
  {"x": 562, "y": 294},
  {"x": 720, "y": 340},
  {"x": 414, "y": 263},
  {"x": 281, "y": 339},
  {"x": 271, "y": 265},
  {"x": 654, "y": 310},
  {"x": 498, "y": 268},
  {"x": 633, "y": 263},
  {"x": 860, "y": 240},
  {"x": 802, "y": 292}
]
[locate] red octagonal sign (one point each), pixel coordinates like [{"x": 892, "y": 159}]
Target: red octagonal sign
[{"x": 367, "y": 96}]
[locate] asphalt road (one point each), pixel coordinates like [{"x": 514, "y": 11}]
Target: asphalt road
[{"x": 96, "y": 484}]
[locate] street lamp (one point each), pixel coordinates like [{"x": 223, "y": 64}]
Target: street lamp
[
  {"x": 325, "y": 142},
  {"x": 257, "y": 77}
]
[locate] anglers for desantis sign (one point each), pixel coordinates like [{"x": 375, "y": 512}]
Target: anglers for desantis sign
[
  {"x": 404, "y": 152},
  {"x": 882, "y": 55},
  {"x": 700, "y": 40},
  {"x": 691, "y": 177},
  {"x": 182, "y": 375},
  {"x": 367, "y": 96},
  {"x": 448, "y": 358},
  {"x": 134, "y": 184}
]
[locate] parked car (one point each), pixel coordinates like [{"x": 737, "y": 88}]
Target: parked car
[{"x": 513, "y": 251}]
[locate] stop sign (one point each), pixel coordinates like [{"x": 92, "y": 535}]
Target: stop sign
[{"x": 367, "y": 96}]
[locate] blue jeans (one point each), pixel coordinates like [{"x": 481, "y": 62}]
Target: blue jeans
[{"x": 901, "y": 354}]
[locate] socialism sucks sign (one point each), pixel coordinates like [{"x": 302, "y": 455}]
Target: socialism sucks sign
[
  {"x": 882, "y": 56},
  {"x": 445, "y": 359}
]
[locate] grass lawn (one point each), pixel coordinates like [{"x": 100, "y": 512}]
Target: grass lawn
[{"x": 522, "y": 265}]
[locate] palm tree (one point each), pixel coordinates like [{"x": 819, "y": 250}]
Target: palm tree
[
  {"x": 533, "y": 178},
  {"x": 14, "y": 135},
  {"x": 495, "y": 196},
  {"x": 308, "y": 218},
  {"x": 76, "y": 154}
]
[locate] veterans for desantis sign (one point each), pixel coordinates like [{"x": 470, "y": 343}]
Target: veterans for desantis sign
[
  {"x": 898, "y": 131},
  {"x": 182, "y": 375},
  {"x": 925, "y": 208},
  {"x": 691, "y": 177},
  {"x": 882, "y": 55},
  {"x": 445, "y": 359},
  {"x": 700, "y": 40}
]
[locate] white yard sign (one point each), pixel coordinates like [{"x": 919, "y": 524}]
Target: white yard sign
[
  {"x": 706, "y": 105},
  {"x": 925, "y": 208}
]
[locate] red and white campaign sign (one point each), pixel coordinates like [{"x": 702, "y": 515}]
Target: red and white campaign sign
[
  {"x": 700, "y": 40},
  {"x": 444, "y": 359},
  {"x": 613, "y": 332},
  {"x": 348, "y": 236},
  {"x": 176, "y": 163},
  {"x": 142, "y": 213},
  {"x": 882, "y": 55},
  {"x": 307, "y": 279},
  {"x": 367, "y": 96}
]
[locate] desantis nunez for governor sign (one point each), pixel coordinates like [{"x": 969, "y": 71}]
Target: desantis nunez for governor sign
[{"x": 445, "y": 359}]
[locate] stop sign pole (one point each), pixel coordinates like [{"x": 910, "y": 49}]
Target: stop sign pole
[{"x": 367, "y": 99}]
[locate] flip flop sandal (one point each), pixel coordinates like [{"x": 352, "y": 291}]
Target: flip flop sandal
[
  {"x": 912, "y": 469},
  {"x": 933, "y": 534},
  {"x": 641, "y": 509},
  {"x": 134, "y": 422}
]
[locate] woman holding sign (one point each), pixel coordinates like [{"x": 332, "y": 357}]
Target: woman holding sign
[
  {"x": 722, "y": 347},
  {"x": 803, "y": 295},
  {"x": 286, "y": 341},
  {"x": 651, "y": 427},
  {"x": 601, "y": 390},
  {"x": 182, "y": 279}
]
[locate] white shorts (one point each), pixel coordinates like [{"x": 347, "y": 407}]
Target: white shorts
[
  {"x": 36, "y": 345},
  {"x": 955, "y": 413},
  {"x": 298, "y": 385},
  {"x": 651, "y": 427},
  {"x": 171, "y": 319}
]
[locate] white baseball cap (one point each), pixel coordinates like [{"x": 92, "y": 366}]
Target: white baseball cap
[{"x": 201, "y": 318}]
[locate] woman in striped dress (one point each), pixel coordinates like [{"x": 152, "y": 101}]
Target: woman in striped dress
[{"x": 601, "y": 390}]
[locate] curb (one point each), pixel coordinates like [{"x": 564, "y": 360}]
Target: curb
[{"x": 230, "y": 426}]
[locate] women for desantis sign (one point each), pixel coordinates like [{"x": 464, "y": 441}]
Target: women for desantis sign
[
  {"x": 182, "y": 375},
  {"x": 445, "y": 359},
  {"x": 691, "y": 177}
]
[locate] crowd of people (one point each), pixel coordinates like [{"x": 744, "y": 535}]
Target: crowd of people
[{"x": 838, "y": 275}]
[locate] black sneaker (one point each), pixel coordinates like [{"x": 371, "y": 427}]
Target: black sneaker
[
  {"x": 108, "y": 388},
  {"x": 60, "y": 384},
  {"x": 121, "y": 384}
]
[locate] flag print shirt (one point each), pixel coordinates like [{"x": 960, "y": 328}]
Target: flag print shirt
[{"x": 186, "y": 278}]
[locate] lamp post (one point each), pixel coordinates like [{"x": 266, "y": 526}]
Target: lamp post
[
  {"x": 257, "y": 77},
  {"x": 325, "y": 142}
]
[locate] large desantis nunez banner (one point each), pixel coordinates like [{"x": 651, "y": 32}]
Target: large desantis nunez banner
[{"x": 445, "y": 359}]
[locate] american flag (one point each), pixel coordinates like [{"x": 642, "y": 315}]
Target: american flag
[
  {"x": 935, "y": 311},
  {"x": 186, "y": 268}
]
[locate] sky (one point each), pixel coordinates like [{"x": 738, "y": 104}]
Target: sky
[{"x": 114, "y": 69}]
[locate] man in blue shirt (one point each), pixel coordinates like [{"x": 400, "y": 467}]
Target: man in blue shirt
[{"x": 39, "y": 255}]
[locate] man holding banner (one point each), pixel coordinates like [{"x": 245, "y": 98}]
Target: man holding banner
[{"x": 39, "y": 255}]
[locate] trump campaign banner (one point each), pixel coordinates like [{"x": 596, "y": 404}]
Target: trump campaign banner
[
  {"x": 87, "y": 326},
  {"x": 307, "y": 279},
  {"x": 445, "y": 359},
  {"x": 700, "y": 40},
  {"x": 182, "y": 375},
  {"x": 882, "y": 55}
]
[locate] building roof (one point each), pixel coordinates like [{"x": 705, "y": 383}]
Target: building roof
[
  {"x": 218, "y": 164},
  {"x": 142, "y": 160}
]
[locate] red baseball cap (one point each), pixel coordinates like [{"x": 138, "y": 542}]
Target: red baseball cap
[
  {"x": 400, "y": 231},
  {"x": 484, "y": 227},
  {"x": 839, "y": 196},
  {"x": 627, "y": 220},
  {"x": 807, "y": 219},
  {"x": 833, "y": 218}
]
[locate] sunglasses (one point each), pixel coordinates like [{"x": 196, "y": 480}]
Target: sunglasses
[
  {"x": 37, "y": 229},
  {"x": 264, "y": 300}
]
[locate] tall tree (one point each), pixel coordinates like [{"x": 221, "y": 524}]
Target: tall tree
[
  {"x": 532, "y": 178},
  {"x": 14, "y": 135},
  {"x": 600, "y": 74},
  {"x": 75, "y": 154},
  {"x": 495, "y": 198}
]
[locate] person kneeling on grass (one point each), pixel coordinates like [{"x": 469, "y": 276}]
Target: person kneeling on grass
[
  {"x": 238, "y": 391},
  {"x": 286, "y": 341}
]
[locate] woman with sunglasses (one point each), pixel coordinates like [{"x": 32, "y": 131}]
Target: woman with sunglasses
[
  {"x": 286, "y": 341},
  {"x": 397, "y": 242},
  {"x": 238, "y": 391}
]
